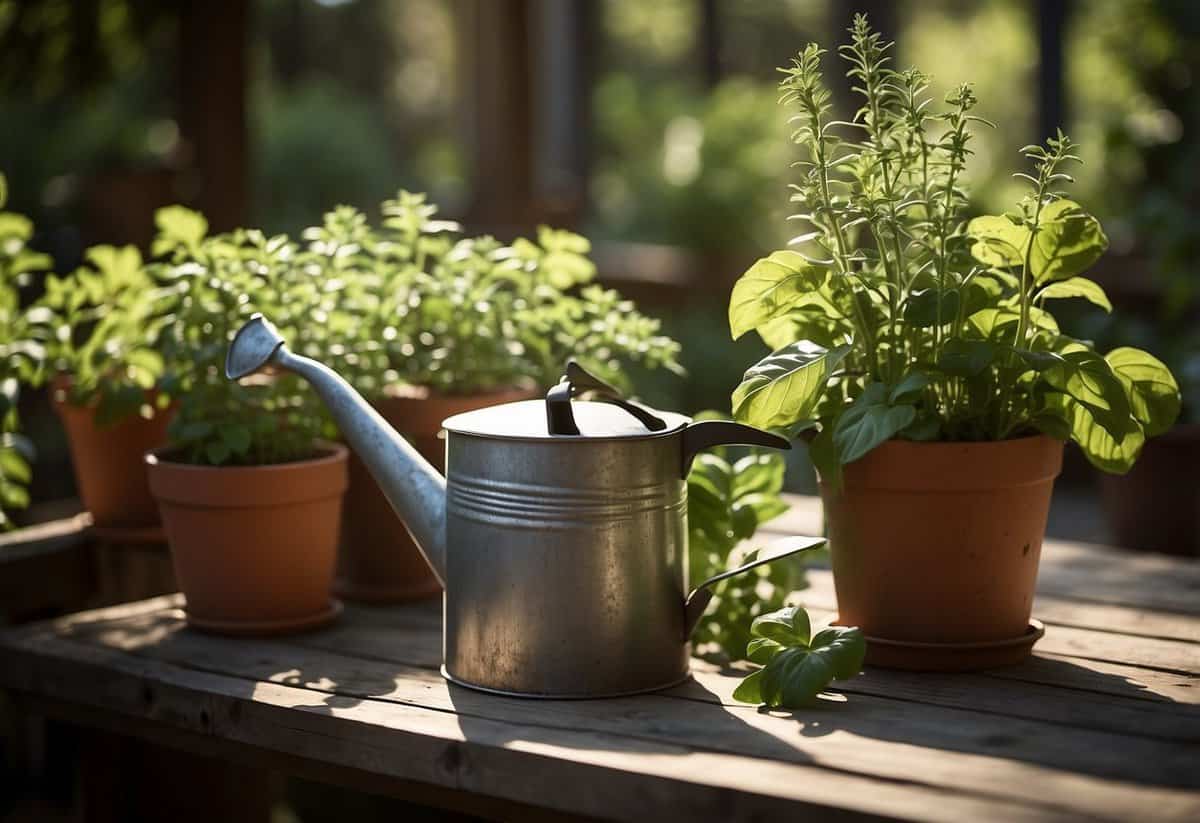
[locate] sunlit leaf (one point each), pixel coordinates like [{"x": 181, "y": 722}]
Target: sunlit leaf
[
  {"x": 770, "y": 289},
  {"x": 1153, "y": 392},
  {"x": 786, "y": 385},
  {"x": 1081, "y": 287},
  {"x": 1068, "y": 241}
]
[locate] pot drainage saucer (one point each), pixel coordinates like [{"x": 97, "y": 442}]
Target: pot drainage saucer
[
  {"x": 952, "y": 657},
  {"x": 284, "y": 626}
]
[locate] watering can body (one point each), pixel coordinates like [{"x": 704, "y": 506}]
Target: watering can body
[{"x": 559, "y": 532}]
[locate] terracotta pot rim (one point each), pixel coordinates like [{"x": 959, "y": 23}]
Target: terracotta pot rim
[
  {"x": 980, "y": 444},
  {"x": 966, "y": 467},
  {"x": 249, "y": 487},
  {"x": 62, "y": 382},
  {"x": 332, "y": 453}
]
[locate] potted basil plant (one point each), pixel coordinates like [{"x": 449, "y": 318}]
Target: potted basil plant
[
  {"x": 106, "y": 383},
  {"x": 250, "y": 494},
  {"x": 447, "y": 323},
  {"x": 918, "y": 353}
]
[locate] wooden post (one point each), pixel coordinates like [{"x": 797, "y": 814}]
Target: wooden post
[
  {"x": 1052, "y": 24},
  {"x": 526, "y": 109},
  {"x": 498, "y": 109},
  {"x": 213, "y": 77}
]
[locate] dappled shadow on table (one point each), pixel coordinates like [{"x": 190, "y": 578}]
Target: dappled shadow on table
[
  {"x": 1064, "y": 714},
  {"x": 651, "y": 724},
  {"x": 1048, "y": 712},
  {"x": 249, "y": 665}
]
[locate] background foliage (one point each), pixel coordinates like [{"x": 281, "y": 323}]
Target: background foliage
[{"x": 23, "y": 333}]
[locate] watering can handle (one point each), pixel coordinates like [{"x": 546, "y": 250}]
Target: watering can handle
[
  {"x": 560, "y": 420},
  {"x": 697, "y": 601}
]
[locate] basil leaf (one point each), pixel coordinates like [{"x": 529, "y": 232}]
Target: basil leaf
[
  {"x": 770, "y": 289},
  {"x": 750, "y": 689},
  {"x": 869, "y": 422},
  {"x": 1153, "y": 393},
  {"x": 794, "y": 677},
  {"x": 785, "y": 386},
  {"x": 1088, "y": 290},
  {"x": 998, "y": 241},
  {"x": 788, "y": 627},
  {"x": 1068, "y": 241}
]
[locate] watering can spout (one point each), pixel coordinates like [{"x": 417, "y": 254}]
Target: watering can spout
[{"x": 414, "y": 488}]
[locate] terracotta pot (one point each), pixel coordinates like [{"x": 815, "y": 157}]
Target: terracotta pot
[
  {"x": 378, "y": 561},
  {"x": 1156, "y": 506},
  {"x": 254, "y": 547},
  {"x": 108, "y": 461},
  {"x": 939, "y": 542}
]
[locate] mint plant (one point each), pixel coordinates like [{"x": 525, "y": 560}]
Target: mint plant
[
  {"x": 219, "y": 282},
  {"x": 895, "y": 316},
  {"x": 728, "y": 499},
  {"x": 23, "y": 335},
  {"x": 797, "y": 665},
  {"x": 107, "y": 316},
  {"x": 464, "y": 315}
]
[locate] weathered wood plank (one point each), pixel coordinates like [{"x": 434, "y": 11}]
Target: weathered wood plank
[
  {"x": 879, "y": 737},
  {"x": 1103, "y": 677},
  {"x": 1102, "y": 722},
  {"x": 576, "y": 771},
  {"x": 1064, "y": 691},
  {"x": 1102, "y": 643}
]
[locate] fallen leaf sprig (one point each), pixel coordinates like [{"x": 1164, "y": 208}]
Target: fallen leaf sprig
[{"x": 796, "y": 664}]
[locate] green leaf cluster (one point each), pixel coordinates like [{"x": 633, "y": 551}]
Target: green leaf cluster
[
  {"x": 106, "y": 318},
  {"x": 408, "y": 302},
  {"x": 23, "y": 338},
  {"x": 893, "y": 316},
  {"x": 463, "y": 315},
  {"x": 796, "y": 665},
  {"x": 728, "y": 499},
  {"x": 218, "y": 282}
]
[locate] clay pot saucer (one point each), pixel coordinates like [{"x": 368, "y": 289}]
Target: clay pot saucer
[
  {"x": 267, "y": 627},
  {"x": 953, "y": 657}
]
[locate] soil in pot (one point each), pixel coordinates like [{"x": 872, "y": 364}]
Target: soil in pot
[
  {"x": 939, "y": 543},
  {"x": 254, "y": 547},
  {"x": 378, "y": 561},
  {"x": 109, "y": 464},
  {"x": 1156, "y": 506}
]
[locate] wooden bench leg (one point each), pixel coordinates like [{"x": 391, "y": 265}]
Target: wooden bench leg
[{"x": 122, "y": 779}]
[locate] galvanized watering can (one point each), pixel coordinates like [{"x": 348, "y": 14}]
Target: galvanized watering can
[{"x": 559, "y": 531}]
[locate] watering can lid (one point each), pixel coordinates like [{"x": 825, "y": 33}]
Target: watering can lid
[
  {"x": 609, "y": 416},
  {"x": 528, "y": 420}
]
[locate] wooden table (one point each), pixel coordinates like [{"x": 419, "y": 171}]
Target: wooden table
[{"x": 1102, "y": 723}]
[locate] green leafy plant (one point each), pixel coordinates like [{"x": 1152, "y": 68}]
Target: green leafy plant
[
  {"x": 464, "y": 315},
  {"x": 797, "y": 665},
  {"x": 220, "y": 281},
  {"x": 728, "y": 499},
  {"x": 107, "y": 316},
  {"x": 23, "y": 332},
  {"x": 896, "y": 317}
]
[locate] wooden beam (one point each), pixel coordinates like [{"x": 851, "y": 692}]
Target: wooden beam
[
  {"x": 1052, "y": 18},
  {"x": 213, "y": 80}
]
